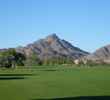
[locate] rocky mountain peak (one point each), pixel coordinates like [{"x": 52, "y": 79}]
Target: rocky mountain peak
[
  {"x": 52, "y": 37},
  {"x": 52, "y": 45}
]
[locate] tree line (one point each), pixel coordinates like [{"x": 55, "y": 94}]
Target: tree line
[{"x": 10, "y": 58}]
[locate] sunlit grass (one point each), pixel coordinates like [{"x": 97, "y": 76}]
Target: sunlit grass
[{"x": 47, "y": 82}]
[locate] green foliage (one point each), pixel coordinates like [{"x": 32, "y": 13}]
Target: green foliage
[
  {"x": 89, "y": 63},
  {"x": 10, "y": 57},
  {"x": 52, "y": 63},
  {"x": 39, "y": 62},
  {"x": 5, "y": 61},
  {"x": 46, "y": 61},
  {"x": 32, "y": 60},
  {"x": 97, "y": 63},
  {"x": 103, "y": 63},
  {"x": 19, "y": 59},
  {"x": 80, "y": 63},
  {"x": 70, "y": 61},
  {"x": 10, "y": 52},
  {"x": 58, "y": 60}
]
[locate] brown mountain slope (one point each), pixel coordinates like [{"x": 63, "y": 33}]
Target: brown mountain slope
[
  {"x": 52, "y": 45},
  {"x": 101, "y": 54},
  {"x": 1, "y": 50}
]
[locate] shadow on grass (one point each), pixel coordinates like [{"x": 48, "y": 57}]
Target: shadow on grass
[
  {"x": 14, "y": 76},
  {"x": 81, "y": 98},
  {"x": 18, "y": 74},
  {"x": 11, "y": 78}
]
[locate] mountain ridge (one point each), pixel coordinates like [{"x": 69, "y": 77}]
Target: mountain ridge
[
  {"x": 52, "y": 45},
  {"x": 102, "y": 53}
]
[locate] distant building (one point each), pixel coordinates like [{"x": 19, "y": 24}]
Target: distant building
[{"x": 76, "y": 61}]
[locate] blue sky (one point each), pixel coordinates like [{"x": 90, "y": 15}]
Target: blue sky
[{"x": 83, "y": 23}]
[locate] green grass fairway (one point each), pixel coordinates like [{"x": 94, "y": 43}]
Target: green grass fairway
[{"x": 55, "y": 83}]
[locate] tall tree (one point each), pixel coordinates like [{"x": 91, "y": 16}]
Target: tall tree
[
  {"x": 19, "y": 59},
  {"x": 32, "y": 60},
  {"x": 9, "y": 57}
]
